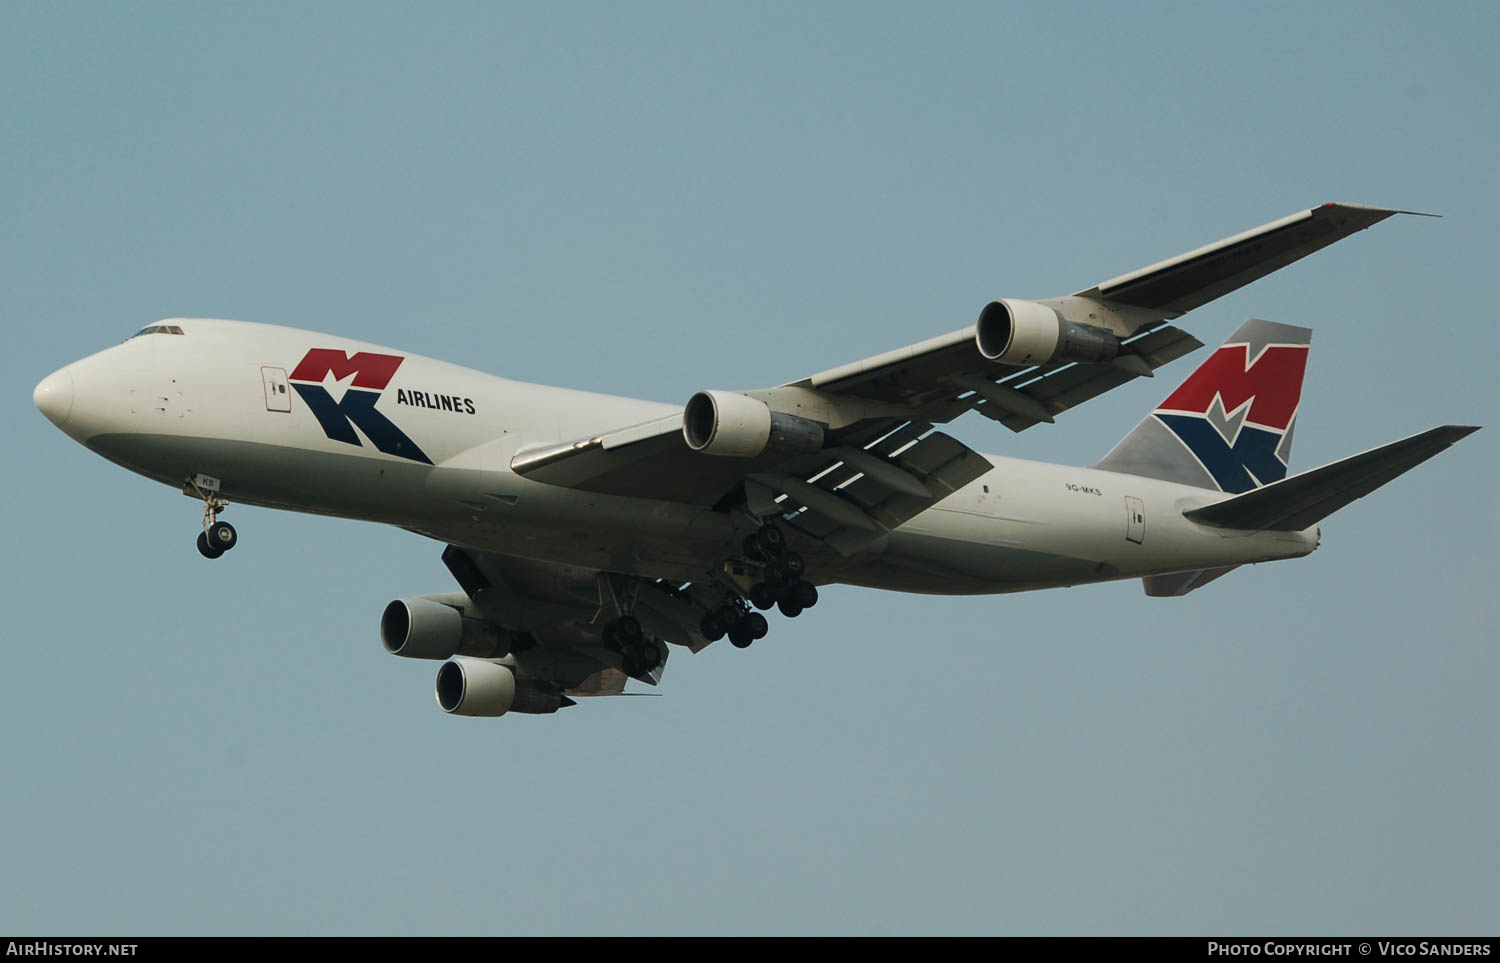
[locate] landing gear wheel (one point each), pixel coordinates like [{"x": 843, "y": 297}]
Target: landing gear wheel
[
  {"x": 761, "y": 596},
  {"x": 221, "y": 535},
  {"x": 770, "y": 540},
  {"x": 205, "y": 549},
  {"x": 629, "y": 628},
  {"x": 757, "y": 624},
  {"x": 741, "y": 634},
  {"x": 646, "y": 657},
  {"x": 790, "y": 567},
  {"x": 712, "y": 627},
  {"x": 789, "y": 608},
  {"x": 805, "y": 594}
]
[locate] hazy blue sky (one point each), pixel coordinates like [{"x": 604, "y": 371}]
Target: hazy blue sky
[{"x": 651, "y": 199}]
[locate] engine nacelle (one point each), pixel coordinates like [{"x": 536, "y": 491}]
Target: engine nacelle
[
  {"x": 1024, "y": 332},
  {"x": 423, "y": 628},
  {"x": 467, "y": 687},
  {"x": 737, "y": 426},
  {"x": 477, "y": 687}
]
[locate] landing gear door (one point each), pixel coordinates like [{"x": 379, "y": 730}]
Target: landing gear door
[
  {"x": 1135, "y": 520},
  {"x": 278, "y": 394}
]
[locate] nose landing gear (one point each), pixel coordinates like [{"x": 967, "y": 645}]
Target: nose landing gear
[{"x": 217, "y": 537}]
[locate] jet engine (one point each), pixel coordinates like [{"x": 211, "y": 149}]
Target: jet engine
[
  {"x": 424, "y": 628},
  {"x": 1025, "y": 333},
  {"x": 738, "y": 426},
  {"x": 476, "y": 687}
]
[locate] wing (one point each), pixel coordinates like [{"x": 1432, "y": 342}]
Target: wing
[{"x": 874, "y": 458}]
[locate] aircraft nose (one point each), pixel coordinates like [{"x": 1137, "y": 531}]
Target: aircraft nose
[{"x": 53, "y": 396}]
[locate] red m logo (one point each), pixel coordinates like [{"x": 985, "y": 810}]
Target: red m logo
[
  {"x": 370, "y": 370},
  {"x": 1272, "y": 385}
]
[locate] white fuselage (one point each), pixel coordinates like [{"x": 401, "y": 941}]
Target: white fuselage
[{"x": 215, "y": 400}]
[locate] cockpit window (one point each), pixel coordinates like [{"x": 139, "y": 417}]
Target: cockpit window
[{"x": 158, "y": 329}]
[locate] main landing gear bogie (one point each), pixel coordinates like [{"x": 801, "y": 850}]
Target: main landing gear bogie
[
  {"x": 781, "y": 586},
  {"x": 735, "y": 620},
  {"x": 782, "y": 583},
  {"x": 638, "y": 652}
]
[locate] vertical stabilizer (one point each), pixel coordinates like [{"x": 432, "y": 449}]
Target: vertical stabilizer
[{"x": 1228, "y": 427}]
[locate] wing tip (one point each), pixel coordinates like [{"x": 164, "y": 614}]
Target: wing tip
[{"x": 1384, "y": 212}]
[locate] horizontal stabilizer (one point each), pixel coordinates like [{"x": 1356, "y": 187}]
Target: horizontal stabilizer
[{"x": 1295, "y": 503}]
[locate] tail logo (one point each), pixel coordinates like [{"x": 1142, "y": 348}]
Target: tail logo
[
  {"x": 370, "y": 374},
  {"x": 1235, "y": 413}
]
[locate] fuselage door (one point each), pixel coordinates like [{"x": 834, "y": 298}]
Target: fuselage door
[
  {"x": 278, "y": 394},
  {"x": 1135, "y": 520}
]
